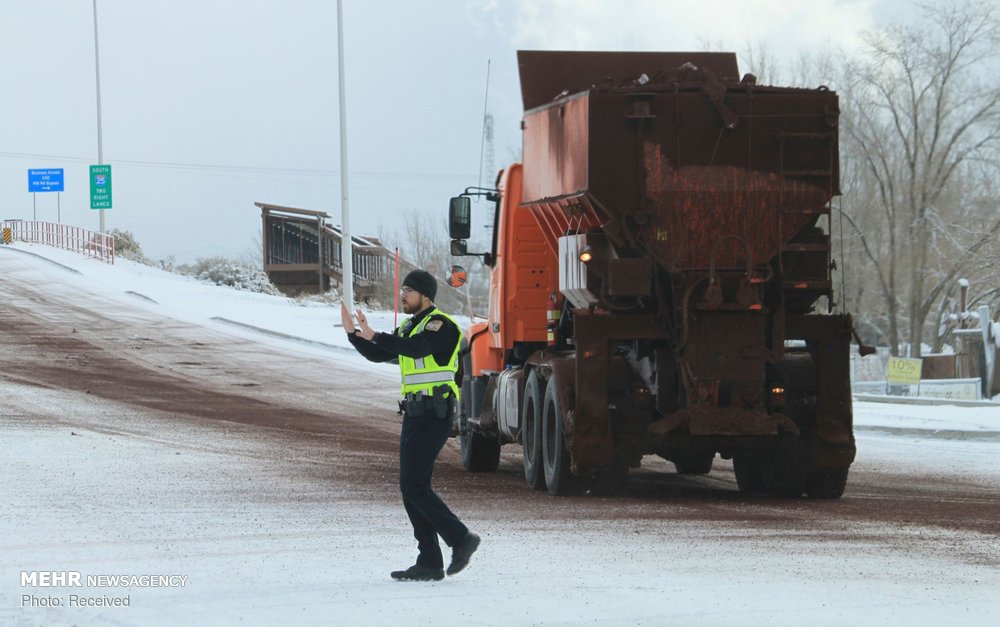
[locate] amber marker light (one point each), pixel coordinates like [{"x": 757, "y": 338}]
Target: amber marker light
[
  {"x": 777, "y": 396},
  {"x": 586, "y": 254}
]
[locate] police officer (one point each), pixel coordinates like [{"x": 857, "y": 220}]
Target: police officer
[{"x": 426, "y": 346}]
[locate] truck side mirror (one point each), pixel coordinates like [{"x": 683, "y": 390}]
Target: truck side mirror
[
  {"x": 460, "y": 218},
  {"x": 459, "y": 247}
]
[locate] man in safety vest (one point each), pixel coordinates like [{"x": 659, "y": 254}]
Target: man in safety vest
[{"x": 426, "y": 346}]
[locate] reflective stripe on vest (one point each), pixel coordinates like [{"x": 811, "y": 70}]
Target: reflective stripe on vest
[
  {"x": 428, "y": 377},
  {"x": 423, "y": 374}
]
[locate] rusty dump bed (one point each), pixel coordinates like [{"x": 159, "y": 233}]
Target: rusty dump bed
[{"x": 673, "y": 155}]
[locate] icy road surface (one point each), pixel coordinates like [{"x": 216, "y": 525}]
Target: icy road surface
[{"x": 141, "y": 435}]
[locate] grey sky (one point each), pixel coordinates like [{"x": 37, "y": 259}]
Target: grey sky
[{"x": 210, "y": 105}]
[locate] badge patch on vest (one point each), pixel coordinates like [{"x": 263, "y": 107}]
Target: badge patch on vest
[{"x": 434, "y": 325}]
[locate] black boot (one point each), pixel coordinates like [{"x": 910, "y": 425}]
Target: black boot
[
  {"x": 461, "y": 552},
  {"x": 418, "y": 573}
]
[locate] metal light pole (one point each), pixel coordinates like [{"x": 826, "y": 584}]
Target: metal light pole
[
  {"x": 346, "y": 244},
  {"x": 100, "y": 141}
]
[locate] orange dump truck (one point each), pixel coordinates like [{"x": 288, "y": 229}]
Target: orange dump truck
[{"x": 656, "y": 265}]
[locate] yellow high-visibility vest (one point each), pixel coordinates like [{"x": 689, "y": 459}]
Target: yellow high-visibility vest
[{"x": 423, "y": 374}]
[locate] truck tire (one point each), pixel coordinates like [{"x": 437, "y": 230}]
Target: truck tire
[
  {"x": 480, "y": 453},
  {"x": 555, "y": 456},
  {"x": 531, "y": 431},
  {"x": 826, "y": 483}
]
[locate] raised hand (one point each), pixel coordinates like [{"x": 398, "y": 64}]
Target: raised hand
[
  {"x": 366, "y": 331},
  {"x": 345, "y": 318}
]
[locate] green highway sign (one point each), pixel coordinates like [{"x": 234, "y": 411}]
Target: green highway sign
[{"x": 100, "y": 187}]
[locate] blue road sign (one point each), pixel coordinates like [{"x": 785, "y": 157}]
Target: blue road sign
[{"x": 48, "y": 180}]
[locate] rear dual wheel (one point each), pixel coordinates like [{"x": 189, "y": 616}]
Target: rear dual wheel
[
  {"x": 555, "y": 457},
  {"x": 826, "y": 483},
  {"x": 480, "y": 453},
  {"x": 531, "y": 435}
]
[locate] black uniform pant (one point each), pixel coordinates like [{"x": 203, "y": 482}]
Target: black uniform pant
[{"x": 420, "y": 442}]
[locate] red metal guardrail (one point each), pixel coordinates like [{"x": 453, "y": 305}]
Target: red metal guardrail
[{"x": 77, "y": 239}]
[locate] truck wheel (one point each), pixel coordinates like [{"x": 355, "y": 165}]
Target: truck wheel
[
  {"x": 480, "y": 453},
  {"x": 826, "y": 483},
  {"x": 555, "y": 457},
  {"x": 531, "y": 432},
  {"x": 749, "y": 469},
  {"x": 785, "y": 471}
]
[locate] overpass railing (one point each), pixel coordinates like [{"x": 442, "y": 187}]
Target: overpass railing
[{"x": 89, "y": 243}]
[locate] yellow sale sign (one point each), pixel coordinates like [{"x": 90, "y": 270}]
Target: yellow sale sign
[{"x": 904, "y": 370}]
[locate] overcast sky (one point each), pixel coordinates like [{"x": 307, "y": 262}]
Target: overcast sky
[{"x": 210, "y": 105}]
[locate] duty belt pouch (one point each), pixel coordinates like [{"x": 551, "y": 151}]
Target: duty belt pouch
[
  {"x": 441, "y": 402},
  {"x": 414, "y": 406}
]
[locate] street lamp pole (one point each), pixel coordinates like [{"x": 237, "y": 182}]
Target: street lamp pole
[
  {"x": 100, "y": 140},
  {"x": 346, "y": 244}
]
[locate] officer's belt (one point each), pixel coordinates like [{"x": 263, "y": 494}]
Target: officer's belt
[{"x": 419, "y": 395}]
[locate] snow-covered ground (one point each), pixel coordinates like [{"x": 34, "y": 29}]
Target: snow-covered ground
[
  {"x": 188, "y": 299},
  {"x": 260, "y": 543}
]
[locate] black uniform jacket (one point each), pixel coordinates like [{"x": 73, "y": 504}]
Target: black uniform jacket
[{"x": 387, "y": 347}]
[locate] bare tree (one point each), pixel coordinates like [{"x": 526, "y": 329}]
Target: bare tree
[
  {"x": 421, "y": 238},
  {"x": 921, "y": 134},
  {"x": 423, "y": 242},
  {"x": 757, "y": 59}
]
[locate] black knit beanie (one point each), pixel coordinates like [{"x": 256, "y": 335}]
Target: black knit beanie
[{"x": 423, "y": 282}]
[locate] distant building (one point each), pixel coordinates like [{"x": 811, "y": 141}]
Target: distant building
[{"x": 302, "y": 254}]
